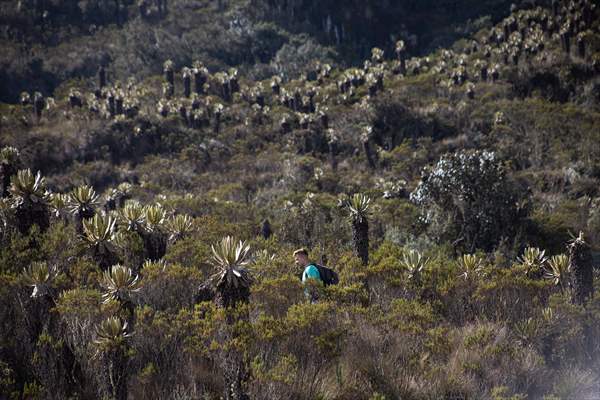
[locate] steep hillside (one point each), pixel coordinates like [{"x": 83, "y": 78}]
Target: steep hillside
[
  {"x": 447, "y": 187},
  {"x": 47, "y": 42}
]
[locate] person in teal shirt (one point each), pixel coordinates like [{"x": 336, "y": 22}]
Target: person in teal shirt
[{"x": 310, "y": 272}]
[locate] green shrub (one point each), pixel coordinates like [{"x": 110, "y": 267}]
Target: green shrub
[{"x": 469, "y": 199}]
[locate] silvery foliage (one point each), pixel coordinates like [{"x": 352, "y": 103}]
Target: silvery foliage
[
  {"x": 391, "y": 188},
  {"x": 467, "y": 198}
]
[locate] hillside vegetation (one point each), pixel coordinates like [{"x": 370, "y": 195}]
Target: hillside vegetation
[{"x": 161, "y": 161}]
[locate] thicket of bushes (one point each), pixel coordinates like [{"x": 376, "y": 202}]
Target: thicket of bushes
[
  {"x": 462, "y": 274},
  {"x": 434, "y": 328}
]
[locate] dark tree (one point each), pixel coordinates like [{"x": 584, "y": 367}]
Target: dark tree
[
  {"x": 265, "y": 229},
  {"x": 101, "y": 77},
  {"x": 112, "y": 343},
  {"x": 38, "y": 104},
  {"x": 186, "y": 74},
  {"x": 169, "y": 77},
  {"x": 98, "y": 234},
  {"x": 29, "y": 199},
  {"x": 582, "y": 281},
  {"x": 82, "y": 202},
  {"x": 366, "y": 142},
  {"x": 232, "y": 289},
  {"x": 155, "y": 235},
  {"x": 9, "y": 165},
  {"x": 200, "y": 77},
  {"x": 581, "y": 46},
  {"x": 359, "y": 209}
]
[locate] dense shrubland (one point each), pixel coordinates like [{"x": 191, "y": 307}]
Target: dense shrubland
[{"x": 454, "y": 191}]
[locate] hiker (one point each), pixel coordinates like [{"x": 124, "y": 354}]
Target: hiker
[
  {"x": 310, "y": 272},
  {"x": 319, "y": 274}
]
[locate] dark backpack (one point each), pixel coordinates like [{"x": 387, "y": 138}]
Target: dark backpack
[{"x": 328, "y": 276}]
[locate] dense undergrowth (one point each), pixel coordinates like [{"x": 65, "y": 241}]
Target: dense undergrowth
[{"x": 481, "y": 163}]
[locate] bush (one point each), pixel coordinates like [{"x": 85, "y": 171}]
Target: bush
[
  {"x": 168, "y": 287},
  {"x": 469, "y": 199}
]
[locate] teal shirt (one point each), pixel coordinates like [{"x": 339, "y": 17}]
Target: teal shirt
[{"x": 310, "y": 272}]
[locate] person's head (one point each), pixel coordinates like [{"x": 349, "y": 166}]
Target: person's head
[{"x": 301, "y": 257}]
